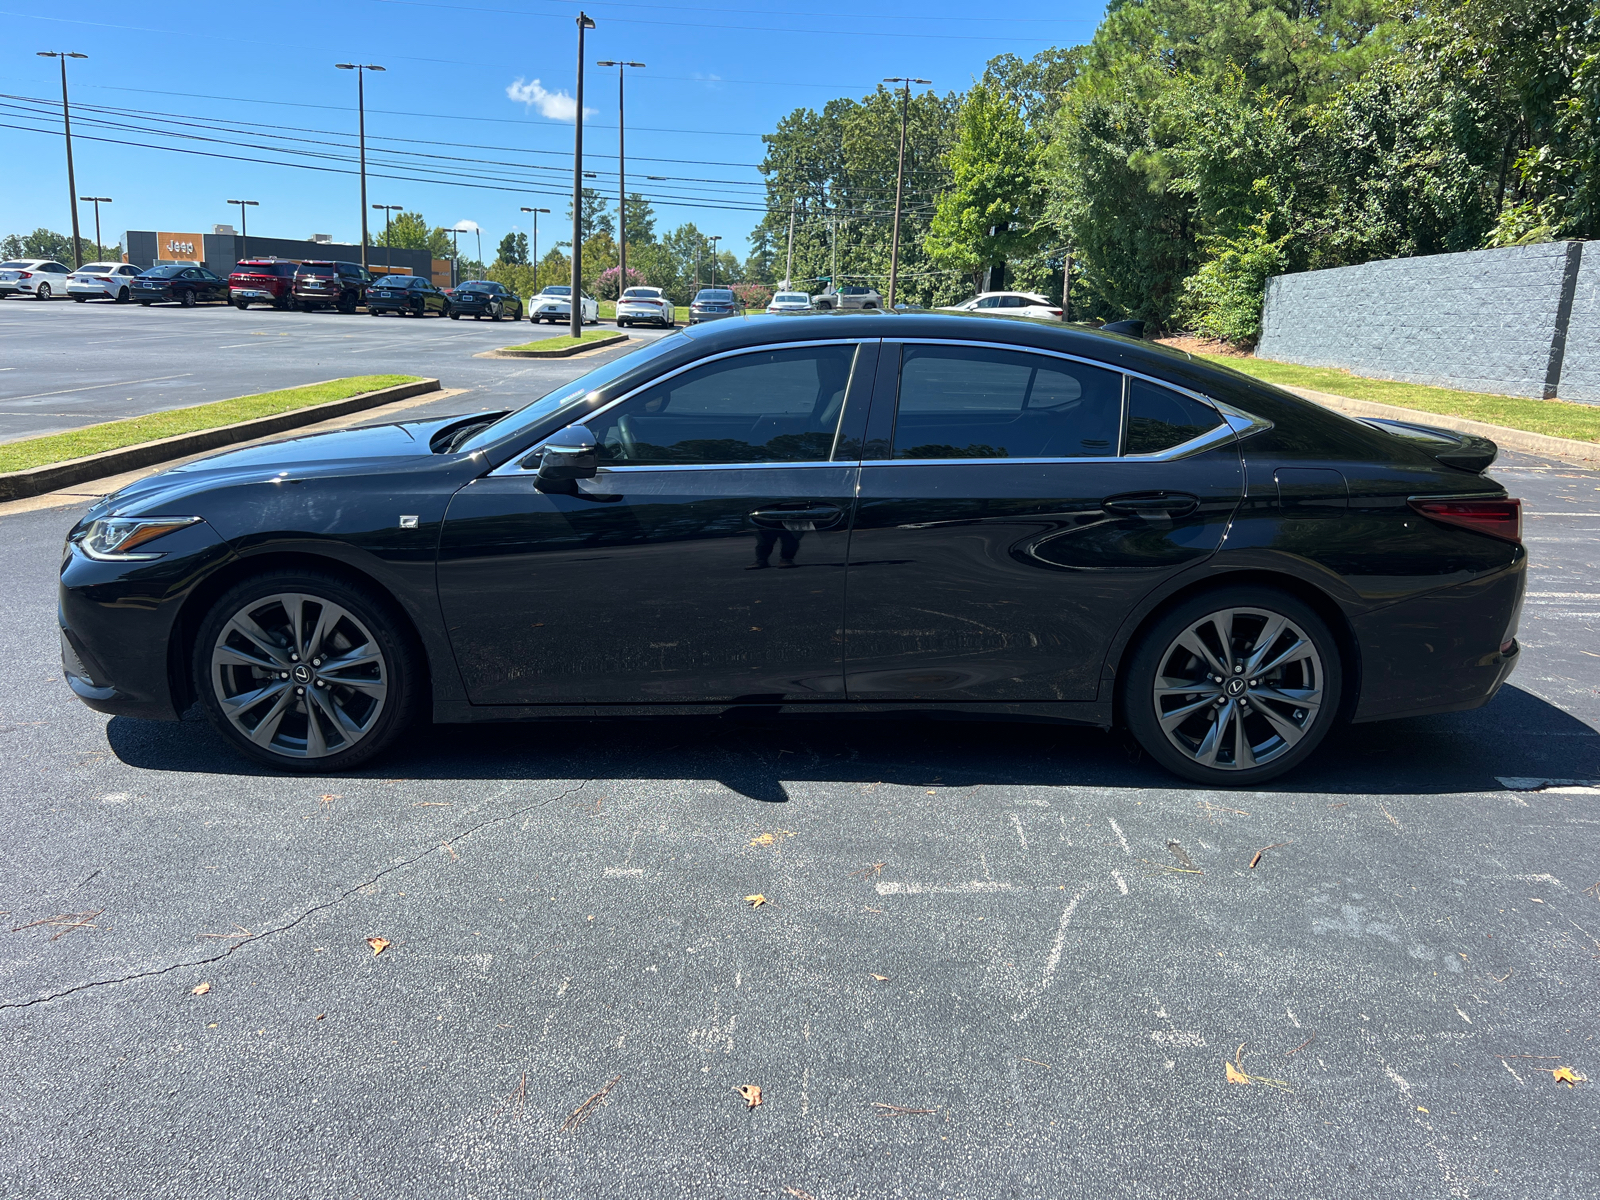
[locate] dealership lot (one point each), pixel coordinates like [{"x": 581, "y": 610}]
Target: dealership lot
[
  {"x": 68, "y": 365},
  {"x": 1037, "y": 950}
]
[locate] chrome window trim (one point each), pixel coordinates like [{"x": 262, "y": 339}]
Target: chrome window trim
[
  {"x": 848, "y": 464},
  {"x": 515, "y": 468}
]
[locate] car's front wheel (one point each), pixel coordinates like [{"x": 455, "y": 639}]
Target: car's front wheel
[
  {"x": 188, "y": 298},
  {"x": 1233, "y": 687},
  {"x": 305, "y": 671}
]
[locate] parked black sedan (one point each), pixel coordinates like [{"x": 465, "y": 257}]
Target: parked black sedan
[
  {"x": 187, "y": 285},
  {"x": 484, "y": 298},
  {"x": 954, "y": 514},
  {"x": 406, "y": 296}
]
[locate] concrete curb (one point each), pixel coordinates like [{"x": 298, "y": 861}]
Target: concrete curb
[
  {"x": 565, "y": 352},
  {"x": 1584, "y": 454},
  {"x": 18, "y": 485}
]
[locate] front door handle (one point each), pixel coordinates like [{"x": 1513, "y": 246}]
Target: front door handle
[
  {"x": 808, "y": 516},
  {"x": 1139, "y": 504}
]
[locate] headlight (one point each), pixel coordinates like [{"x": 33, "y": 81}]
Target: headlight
[{"x": 112, "y": 539}]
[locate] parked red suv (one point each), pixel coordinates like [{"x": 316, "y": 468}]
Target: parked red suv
[
  {"x": 262, "y": 281},
  {"x": 338, "y": 285}
]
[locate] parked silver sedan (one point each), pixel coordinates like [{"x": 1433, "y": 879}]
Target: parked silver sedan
[{"x": 791, "y": 302}]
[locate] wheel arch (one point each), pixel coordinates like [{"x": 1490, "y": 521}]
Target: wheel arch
[
  {"x": 1309, "y": 593},
  {"x": 186, "y": 627}
]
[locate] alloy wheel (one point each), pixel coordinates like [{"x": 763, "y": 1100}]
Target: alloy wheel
[
  {"x": 44, "y": 292},
  {"x": 1238, "y": 688},
  {"x": 298, "y": 675}
]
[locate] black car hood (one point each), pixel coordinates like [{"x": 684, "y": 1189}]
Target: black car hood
[{"x": 339, "y": 452}]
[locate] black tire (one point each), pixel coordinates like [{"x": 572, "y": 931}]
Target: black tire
[
  {"x": 122, "y": 295},
  {"x": 43, "y": 293},
  {"x": 81, "y": 299},
  {"x": 1235, "y": 701},
  {"x": 242, "y": 305},
  {"x": 146, "y": 303},
  {"x": 455, "y": 316},
  {"x": 399, "y": 668},
  {"x": 188, "y": 298}
]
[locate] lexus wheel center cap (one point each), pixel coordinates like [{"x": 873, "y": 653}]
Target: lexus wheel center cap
[
  {"x": 302, "y": 674},
  {"x": 1235, "y": 686}
]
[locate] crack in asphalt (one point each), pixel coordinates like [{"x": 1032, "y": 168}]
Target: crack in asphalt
[{"x": 314, "y": 909}]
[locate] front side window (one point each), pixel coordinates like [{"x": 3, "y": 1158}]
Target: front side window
[
  {"x": 976, "y": 402},
  {"x": 1160, "y": 418},
  {"x": 769, "y": 406},
  {"x": 988, "y": 302}
]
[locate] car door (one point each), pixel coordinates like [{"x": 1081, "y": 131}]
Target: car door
[
  {"x": 704, "y": 563},
  {"x": 1014, "y": 506},
  {"x": 215, "y": 288}
]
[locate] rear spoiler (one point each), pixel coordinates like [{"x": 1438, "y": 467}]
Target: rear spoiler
[{"x": 1465, "y": 451}]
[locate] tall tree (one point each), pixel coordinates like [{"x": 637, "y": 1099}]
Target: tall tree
[{"x": 513, "y": 249}]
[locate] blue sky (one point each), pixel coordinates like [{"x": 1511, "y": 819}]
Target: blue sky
[{"x": 475, "y": 92}]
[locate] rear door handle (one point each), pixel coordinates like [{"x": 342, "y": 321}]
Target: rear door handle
[
  {"x": 810, "y": 516},
  {"x": 1133, "y": 504}
]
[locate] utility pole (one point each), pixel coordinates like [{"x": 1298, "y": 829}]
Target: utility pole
[
  {"x": 1066, "y": 288},
  {"x": 899, "y": 183},
  {"x": 715, "y": 238},
  {"x": 535, "y": 212},
  {"x": 788, "y": 267},
  {"x": 584, "y": 22},
  {"x": 66, "y": 124},
  {"x": 388, "y": 250},
  {"x": 99, "y": 250},
  {"x": 455, "y": 251},
  {"x": 622, "y": 180},
  {"x": 244, "y": 226},
  {"x": 361, "y": 70}
]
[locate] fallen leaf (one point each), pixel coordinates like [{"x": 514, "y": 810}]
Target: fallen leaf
[
  {"x": 378, "y": 944},
  {"x": 1565, "y": 1075},
  {"x": 200, "y": 989},
  {"x": 1421, "y": 1109},
  {"x": 880, "y": 978},
  {"x": 756, "y": 901},
  {"x": 319, "y": 1016},
  {"x": 751, "y": 1095},
  {"x": 766, "y": 839},
  {"x": 1235, "y": 1075}
]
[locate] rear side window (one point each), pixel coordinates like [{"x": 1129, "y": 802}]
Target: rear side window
[
  {"x": 767, "y": 406},
  {"x": 1160, "y": 418},
  {"x": 973, "y": 402}
]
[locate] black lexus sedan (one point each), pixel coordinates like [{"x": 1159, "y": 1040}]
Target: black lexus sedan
[
  {"x": 850, "y": 514},
  {"x": 406, "y": 296},
  {"x": 186, "y": 284},
  {"x": 484, "y": 298},
  {"x": 714, "y": 304}
]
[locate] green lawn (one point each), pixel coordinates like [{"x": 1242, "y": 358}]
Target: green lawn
[
  {"x": 553, "y": 345},
  {"x": 1557, "y": 418},
  {"x": 113, "y": 435}
]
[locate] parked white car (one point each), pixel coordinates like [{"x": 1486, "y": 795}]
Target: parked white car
[
  {"x": 645, "y": 304},
  {"x": 554, "y": 304},
  {"x": 791, "y": 302},
  {"x": 1010, "y": 304},
  {"x": 101, "y": 281},
  {"x": 41, "y": 278}
]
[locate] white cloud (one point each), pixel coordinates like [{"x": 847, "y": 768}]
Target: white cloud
[
  {"x": 468, "y": 226},
  {"x": 558, "y": 106}
]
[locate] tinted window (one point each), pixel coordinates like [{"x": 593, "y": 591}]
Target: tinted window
[
  {"x": 989, "y": 302},
  {"x": 553, "y": 290},
  {"x": 323, "y": 269},
  {"x": 1014, "y": 302},
  {"x": 970, "y": 402},
  {"x": 1159, "y": 418},
  {"x": 395, "y": 281},
  {"x": 768, "y": 406}
]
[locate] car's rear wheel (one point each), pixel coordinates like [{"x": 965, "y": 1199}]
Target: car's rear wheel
[
  {"x": 187, "y": 298},
  {"x": 1233, "y": 687},
  {"x": 241, "y": 305},
  {"x": 305, "y": 671},
  {"x": 43, "y": 293},
  {"x": 122, "y": 295},
  {"x": 455, "y": 316},
  {"x": 81, "y": 299}
]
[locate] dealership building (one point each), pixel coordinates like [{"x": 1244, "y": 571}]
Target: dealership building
[{"x": 220, "y": 249}]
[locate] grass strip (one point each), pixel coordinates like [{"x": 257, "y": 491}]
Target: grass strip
[
  {"x": 113, "y": 435},
  {"x": 553, "y": 345},
  {"x": 1556, "y": 418}
]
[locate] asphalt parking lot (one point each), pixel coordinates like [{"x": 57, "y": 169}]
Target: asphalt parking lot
[
  {"x": 991, "y": 960},
  {"x": 67, "y": 365}
]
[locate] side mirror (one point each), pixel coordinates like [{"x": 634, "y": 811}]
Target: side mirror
[{"x": 565, "y": 455}]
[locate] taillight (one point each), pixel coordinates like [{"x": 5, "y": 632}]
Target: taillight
[
  {"x": 1054, "y": 312},
  {"x": 25, "y": 275},
  {"x": 1498, "y": 518}
]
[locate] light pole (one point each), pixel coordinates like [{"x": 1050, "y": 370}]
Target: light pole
[
  {"x": 535, "y": 212},
  {"x": 584, "y": 22},
  {"x": 99, "y": 250},
  {"x": 899, "y": 183},
  {"x": 455, "y": 250},
  {"x": 788, "y": 267},
  {"x": 244, "y": 226},
  {"x": 66, "y": 124},
  {"x": 388, "y": 255},
  {"x": 715, "y": 238},
  {"x": 622, "y": 178},
  {"x": 361, "y": 70}
]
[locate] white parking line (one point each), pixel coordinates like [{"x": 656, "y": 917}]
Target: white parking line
[
  {"x": 96, "y": 386},
  {"x": 924, "y": 889}
]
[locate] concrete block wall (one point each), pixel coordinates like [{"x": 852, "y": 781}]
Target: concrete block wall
[{"x": 1483, "y": 321}]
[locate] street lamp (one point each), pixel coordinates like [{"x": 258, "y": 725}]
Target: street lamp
[
  {"x": 899, "y": 183},
  {"x": 244, "y": 226},
  {"x": 66, "y": 124},
  {"x": 715, "y": 238},
  {"x": 97, "y": 201},
  {"x": 361, "y": 70},
  {"x": 388, "y": 256},
  {"x": 622, "y": 177},
  {"x": 535, "y": 212},
  {"x": 455, "y": 251},
  {"x": 584, "y": 22}
]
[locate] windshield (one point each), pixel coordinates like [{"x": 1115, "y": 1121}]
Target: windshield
[
  {"x": 641, "y": 294},
  {"x": 567, "y": 395},
  {"x": 166, "y": 272},
  {"x": 248, "y": 268},
  {"x": 557, "y": 290},
  {"x": 395, "y": 281},
  {"x": 716, "y": 296},
  {"x": 20, "y": 263},
  {"x": 325, "y": 269},
  {"x": 791, "y": 298},
  {"x": 101, "y": 267}
]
